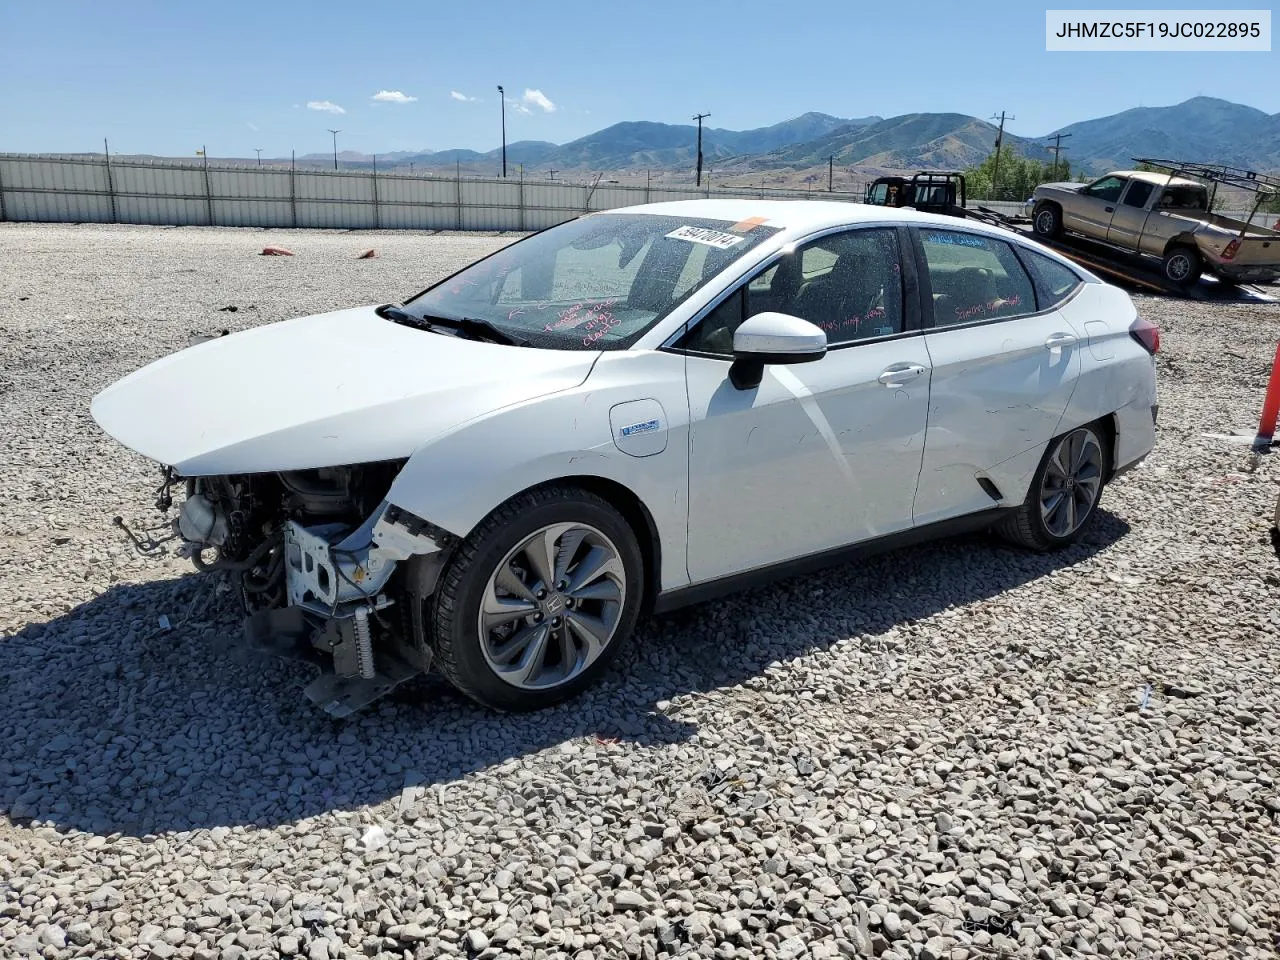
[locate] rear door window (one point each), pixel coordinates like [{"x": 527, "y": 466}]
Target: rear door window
[
  {"x": 974, "y": 278},
  {"x": 1138, "y": 194}
]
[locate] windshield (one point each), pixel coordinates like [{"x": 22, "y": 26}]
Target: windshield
[{"x": 595, "y": 283}]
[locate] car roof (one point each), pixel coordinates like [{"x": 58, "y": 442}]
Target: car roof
[
  {"x": 1159, "y": 179},
  {"x": 803, "y": 216},
  {"x": 800, "y": 218}
]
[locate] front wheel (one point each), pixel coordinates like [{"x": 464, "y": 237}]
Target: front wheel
[
  {"x": 1064, "y": 493},
  {"x": 538, "y": 599},
  {"x": 1047, "y": 222}
]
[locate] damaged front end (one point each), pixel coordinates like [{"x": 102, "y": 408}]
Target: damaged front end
[{"x": 329, "y": 572}]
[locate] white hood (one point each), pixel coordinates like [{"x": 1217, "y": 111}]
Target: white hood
[{"x": 337, "y": 388}]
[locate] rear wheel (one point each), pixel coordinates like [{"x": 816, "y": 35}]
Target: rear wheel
[
  {"x": 1064, "y": 493},
  {"x": 1182, "y": 265},
  {"x": 1047, "y": 222},
  {"x": 538, "y": 599}
]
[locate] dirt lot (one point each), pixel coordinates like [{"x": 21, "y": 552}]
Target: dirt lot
[{"x": 944, "y": 752}]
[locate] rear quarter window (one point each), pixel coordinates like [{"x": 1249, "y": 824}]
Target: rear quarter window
[{"x": 1054, "y": 281}]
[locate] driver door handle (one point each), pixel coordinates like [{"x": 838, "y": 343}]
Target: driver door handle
[
  {"x": 900, "y": 373},
  {"x": 1059, "y": 340}
]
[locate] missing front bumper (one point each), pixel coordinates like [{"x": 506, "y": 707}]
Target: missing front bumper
[{"x": 338, "y": 586}]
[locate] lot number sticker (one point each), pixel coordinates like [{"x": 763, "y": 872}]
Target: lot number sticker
[{"x": 712, "y": 238}]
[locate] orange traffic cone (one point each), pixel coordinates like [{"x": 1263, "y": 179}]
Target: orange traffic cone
[{"x": 1270, "y": 409}]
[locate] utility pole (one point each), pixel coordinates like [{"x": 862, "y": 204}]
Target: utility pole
[
  {"x": 551, "y": 174},
  {"x": 502, "y": 99},
  {"x": 111, "y": 187},
  {"x": 335, "y": 147},
  {"x": 258, "y": 151},
  {"x": 1057, "y": 139},
  {"x": 831, "y": 168},
  {"x": 995, "y": 168},
  {"x": 700, "y": 117}
]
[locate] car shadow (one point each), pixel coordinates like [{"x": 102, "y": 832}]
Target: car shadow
[{"x": 128, "y": 727}]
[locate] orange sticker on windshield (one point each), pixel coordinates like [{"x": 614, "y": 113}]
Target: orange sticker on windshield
[{"x": 746, "y": 226}]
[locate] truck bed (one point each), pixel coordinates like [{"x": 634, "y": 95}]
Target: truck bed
[{"x": 1252, "y": 230}]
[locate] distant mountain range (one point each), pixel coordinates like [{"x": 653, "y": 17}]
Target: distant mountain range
[
  {"x": 1203, "y": 128},
  {"x": 634, "y": 144}
]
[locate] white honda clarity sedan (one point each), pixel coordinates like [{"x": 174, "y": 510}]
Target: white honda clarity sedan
[{"x": 628, "y": 412}]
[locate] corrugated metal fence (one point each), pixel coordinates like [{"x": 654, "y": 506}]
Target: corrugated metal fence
[
  {"x": 98, "y": 190},
  {"x": 93, "y": 189}
]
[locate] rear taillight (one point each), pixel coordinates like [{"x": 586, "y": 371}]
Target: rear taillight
[
  {"x": 1146, "y": 333},
  {"x": 1229, "y": 252}
]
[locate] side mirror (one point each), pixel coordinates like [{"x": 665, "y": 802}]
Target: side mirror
[{"x": 773, "y": 338}]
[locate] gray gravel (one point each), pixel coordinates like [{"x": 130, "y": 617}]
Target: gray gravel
[{"x": 942, "y": 753}]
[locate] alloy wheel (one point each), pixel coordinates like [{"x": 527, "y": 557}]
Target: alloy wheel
[
  {"x": 552, "y": 606},
  {"x": 1044, "y": 222},
  {"x": 1072, "y": 482}
]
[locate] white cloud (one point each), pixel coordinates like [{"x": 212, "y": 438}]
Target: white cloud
[
  {"x": 462, "y": 96},
  {"x": 536, "y": 98},
  {"x": 393, "y": 96},
  {"x": 324, "y": 106}
]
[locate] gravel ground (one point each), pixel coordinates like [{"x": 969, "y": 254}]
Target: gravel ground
[{"x": 959, "y": 750}]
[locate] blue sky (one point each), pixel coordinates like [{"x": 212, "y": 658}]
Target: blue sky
[{"x": 167, "y": 77}]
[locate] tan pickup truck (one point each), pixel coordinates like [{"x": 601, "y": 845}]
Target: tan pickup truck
[{"x": 1159, "y": 216}]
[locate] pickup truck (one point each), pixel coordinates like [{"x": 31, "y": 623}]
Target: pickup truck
[{"x": 1155, "y": 215}]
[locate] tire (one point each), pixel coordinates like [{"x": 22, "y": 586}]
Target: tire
[
  {"x": 1182, "y": 265},
  {"x": 537, "y": 650},
  {"x": 1047, "y": 520},
  {"x": 1046, "y": 222}
]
